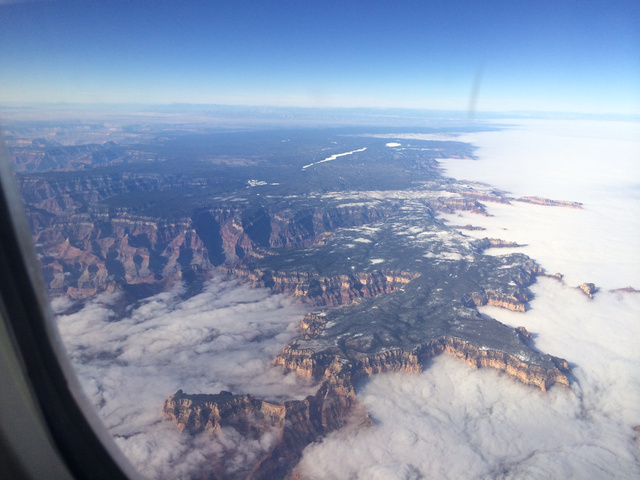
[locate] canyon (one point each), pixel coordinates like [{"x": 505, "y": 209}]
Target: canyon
[{"x": 388, "y": 283}]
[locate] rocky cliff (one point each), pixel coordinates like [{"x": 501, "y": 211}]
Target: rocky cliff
[
  {"x": 396, "y": 331},
  {"x": 452, "y": 204},
  {"x": 484, "y": 196},
  {"x": 299, "y": 423},
  {"x": 294, "y": 424},
  {"x": 312, "y": 363},
  {"x": 327, "y": 291},
  {"x": 516, "y": 302},
  {"x": 246, "y": 414},
  {"x": 87, "y": 247},
  {"x": 589, "y": 289},
  {"x": 360, "y": 234},
  {"x": 86, "y": 254},
  {"x": 549, "y": 202}
]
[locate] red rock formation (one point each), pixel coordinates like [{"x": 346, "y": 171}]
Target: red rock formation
[
  {"x": 485, "y": 197},
  {"x": 334, "y": 404},
  {"x": 451, "y": 204},
  {"x": 129, "y": 251},
  {"x": 307, "y": 362},
  {"x": 527, "y": 373},
  {"x": 549, "y": 202},
  {"x": 524, "y": 334},
  {"x": 588, "y": 288},
  {"x": 557, "y": 276},
  {"x": 298, "y": 422},
  {"x": 516, "y": 302},
  {"x": 119, "y": 248},
  {"x": 330, "y": 408},
  {"x": 245, "y": 413},
  {"x": 309, "y": 420},
  {"x": 311, "y": 325},
  {"x": 328, "y": 291},
  {"x": 628, "y": 289}
]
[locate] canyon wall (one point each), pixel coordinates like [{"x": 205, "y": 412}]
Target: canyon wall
[
  {"x": 334, "y": 405},
  {"x": 87, "y": 247}
]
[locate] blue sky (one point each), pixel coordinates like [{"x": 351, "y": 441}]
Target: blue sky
[{"x": 546, "y": 56}]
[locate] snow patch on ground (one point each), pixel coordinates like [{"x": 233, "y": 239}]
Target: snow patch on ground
[{"x": 334, "y": 157}]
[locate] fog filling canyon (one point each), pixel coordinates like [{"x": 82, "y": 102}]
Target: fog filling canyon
[
  {"x": 452, "y": 421},
  {"x": 449, "y": 421}
]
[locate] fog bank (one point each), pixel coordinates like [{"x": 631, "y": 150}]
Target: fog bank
[
  {"x": 450, "y": 421},
  {"x": 222, "y": 339},
  {"x": 596, "y": 163},
  {"x": 455, "y": 422}
]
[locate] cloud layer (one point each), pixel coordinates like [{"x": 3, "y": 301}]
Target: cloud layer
[
  {"x": 596, "y": 163},
  {"x": 451, "y": 421},
  {"x": 455, "y": 422},
  {"x": 221, "y": 339}
]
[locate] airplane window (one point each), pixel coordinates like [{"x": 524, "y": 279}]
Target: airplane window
[{"x": 318, "y": 241}]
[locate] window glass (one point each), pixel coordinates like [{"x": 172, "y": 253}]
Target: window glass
[{"x": 339, "y": 241}]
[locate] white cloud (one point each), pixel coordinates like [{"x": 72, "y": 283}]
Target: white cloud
[
  {"x": 596, "y": 163},
  {"x": 450, "y": 421},
  {"x": 221, "y": 339},
  {"x": 455, "y": 422}
]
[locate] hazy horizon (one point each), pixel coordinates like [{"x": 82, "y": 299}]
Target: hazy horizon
[{"x": 461, "y": 56}]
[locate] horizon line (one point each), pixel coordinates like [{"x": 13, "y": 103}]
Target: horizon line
[{"x": 346, "y": 109}]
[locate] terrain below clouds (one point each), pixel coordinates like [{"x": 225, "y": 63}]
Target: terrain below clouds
[
  {"x": 398, "y": 263},
  {"x": 453, "y": 422},
  {"x": 221, "y": 339}
]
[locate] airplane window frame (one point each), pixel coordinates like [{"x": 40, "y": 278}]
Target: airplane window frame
[{"x": 66, "y": 416}]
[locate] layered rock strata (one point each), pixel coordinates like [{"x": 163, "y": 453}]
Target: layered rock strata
[
  {"x": 494, "y": 197},
  {"x": 360, "y": 234},
  {"x": 452, "y": 204},
  {"x": 83, "y": 256},
  {"x": 301, "y": 422},
  {"x": 516, "y": 302},
  {"x": 327, "y": 291},
  {"x": 294, "y": 424},
  {"x": 86, "y": 249},
  {"x": 589, "y": 289},
  {"x": 549, "y": 202},
  {"x": 393, "y": 332}
]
